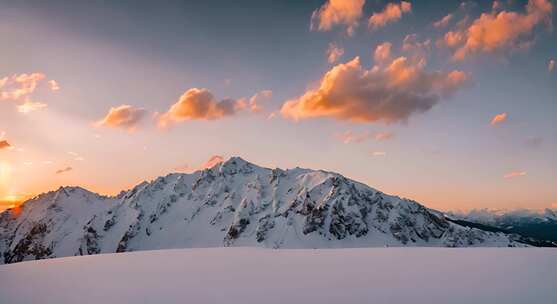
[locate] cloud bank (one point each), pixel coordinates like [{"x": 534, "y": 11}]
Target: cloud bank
[{"x": 388, "y": 93}]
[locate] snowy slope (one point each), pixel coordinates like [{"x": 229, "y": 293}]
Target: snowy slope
[
  {"x": 234, "y": 203},
  {"x": 252, "y": 275}
]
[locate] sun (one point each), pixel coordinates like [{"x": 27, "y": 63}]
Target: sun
[{"x": 10, "y": 198}]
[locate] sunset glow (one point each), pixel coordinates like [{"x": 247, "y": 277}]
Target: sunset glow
[{"x": 444, "y": 102}]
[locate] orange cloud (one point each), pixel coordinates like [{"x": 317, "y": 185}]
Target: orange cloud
[
  {"x": 389, "y": 94},
  {"x": 197, "y": 104},
  {"x": 341, "y": 12},
  {"x": 443, "y": 22},
  {"x": 382, "y": 52},
  {"x": 334, "y": 53},
  {"x": 551, "y": 65},
  {"x": 4, "y": 144},
  {"x": 124, "y": 116},
  {"x": 514, "y": 174},
  {"x": 499, "y": 118},
  {"x": 499, "y": 31},
  {"x": 67, "y": 169},
  {"x": 348, "y": 137},
  {"x": 253, "y": 104},
  {"x": 391, "y": 13},
  {"x": 384, "y": 136},
  {"x": 30, "y": 106},
  {"x": 452, "y": 39},
  {"x": 19, "y": 88}
]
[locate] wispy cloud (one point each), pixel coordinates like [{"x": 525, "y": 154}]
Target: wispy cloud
[
  {"x": 443, "y": 22},
  {"x": 514, "y": 174},
  {"x": 337, "y": 12},
  {"x": 19, "y": 88},
  {"x": 381, "y": 136},
  {"x": 391, "y": 13},
  {"x": 551, "y": 65},
  {"x": 255, "y": 103},
  {"x": 67, "y": 169},
  {"x": 54, "y": 86},
  {"x": 499, "y": 118},
  {"x": 348, "y": 137},
  {"x": 334, "y": 52},
  {"x": 379, "y": 153},
  {"x": 30, "y": 106}
]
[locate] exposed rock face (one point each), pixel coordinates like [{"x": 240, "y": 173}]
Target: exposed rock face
[{"x": 234, "y": 203}]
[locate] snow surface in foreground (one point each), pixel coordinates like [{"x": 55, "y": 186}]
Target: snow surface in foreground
[{"x": 250, "y": 275}]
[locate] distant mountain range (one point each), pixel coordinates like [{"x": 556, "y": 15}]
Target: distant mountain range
[
  {"x": 234, "y": 203},
  {"x": 541, "y": 226}
]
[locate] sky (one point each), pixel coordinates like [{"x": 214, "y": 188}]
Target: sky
[{"x": 449, "y": 103}]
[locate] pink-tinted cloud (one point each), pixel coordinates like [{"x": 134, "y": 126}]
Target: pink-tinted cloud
[
  {"x": 124, "y": 117},
  {"x": 334, "y": 52},
  {"x": 379, "y": 153},
  {"x": 551, "y": 66},
  {"x": 348, "y": 137},
  {"x": 337, "y": 12},
  {"x": 499, "y": 118},
  {"x": 19, "y": 88},
  {"x": 54, "y": 86},
  {"x": 67, "y": 169},
  {"x": 443, "y": 22},
  {"x": 389, "y": 94},
  {"x": 254, "y": 103},
  {"x": 500, "y": 31},
  {"x": 381, "y": 136},
  {"x": 514, "y": 174},
  {"x": 391, "y": 13},
  {"x": 382, "y": 52},
  {"x": 30, "y": 106}
]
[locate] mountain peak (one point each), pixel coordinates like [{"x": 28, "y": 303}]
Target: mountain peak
[{"x": 236, "y": 161}]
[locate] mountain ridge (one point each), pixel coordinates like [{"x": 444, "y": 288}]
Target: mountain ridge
[{"x": 234, "y": 203}]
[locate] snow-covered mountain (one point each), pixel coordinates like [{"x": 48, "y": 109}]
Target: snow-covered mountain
[{"x": 234, "y": 203}]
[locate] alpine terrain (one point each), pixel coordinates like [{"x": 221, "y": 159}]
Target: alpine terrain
[{"x": 234, "y": 203}]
